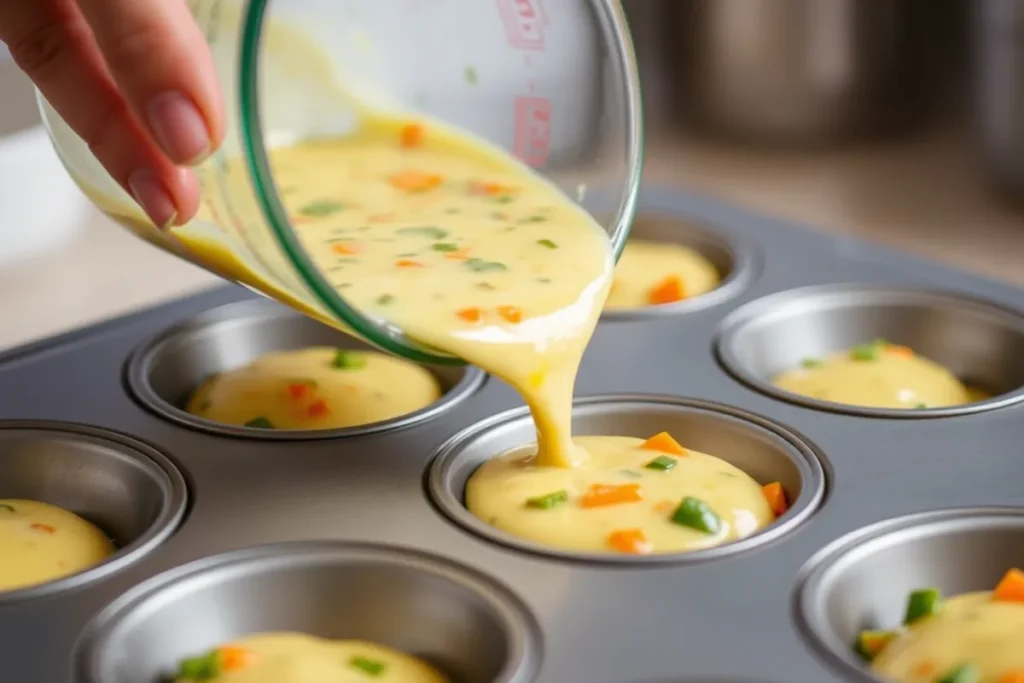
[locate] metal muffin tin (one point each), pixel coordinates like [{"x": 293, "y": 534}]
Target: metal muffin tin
[{"x": 344, "y": 533}]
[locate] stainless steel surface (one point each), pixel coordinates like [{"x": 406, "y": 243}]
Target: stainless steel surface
[
  {"x": 131, "y": 492},
  {"x": 803, "y": 71},
  {"x": 863, "y": 579},
  {"x": 977, "y": 341},
  {"x": 470, "y": 627},
  {"x": 165, "y": 371},
  {"x": 998, "y": 45},
  {"x": 725, "y": 619},
  {"x": 765, "y": 451},
  {"x": 737, "y": 262}
]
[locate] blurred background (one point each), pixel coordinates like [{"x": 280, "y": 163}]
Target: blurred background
[{"x": 896, "y": 121}]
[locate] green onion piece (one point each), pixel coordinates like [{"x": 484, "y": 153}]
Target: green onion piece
[
  {"x": 547, "y": 243},
  {"x": 965, "y": 673},
  {"x": 426, "y": 231},
  {"x": 864, "y": 352},
  {"x": 321, "y": 208},
  {"x": 348, "y": 360},
  {"x": 372, "y": 667},
  {"x": 810, "y": 363},
  {"x": 385, "y": 299},
  {"x": 203, "y": 668},
  {"x": 870, "y": 643},
  {"x": 470, "y": 75},
  {"x": 5, "y": 506},
  {"x": 481, "y": 266},
  {"x": 259, "y": 423},
  {"x": 548, "y": 501},
  {"x": 662, "y": 462},
  {"x": 533, "y": 219},
  {"x": 445, "y": 246},
  {"x": 503, "y": 199},
  {"x": 696, "y": 514},
  {"x": 921, "y": 405},
  {"x": 922, "y": 603}
]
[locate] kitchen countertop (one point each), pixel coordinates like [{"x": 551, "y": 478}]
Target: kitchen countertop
[{"x": 921, "y": 195}]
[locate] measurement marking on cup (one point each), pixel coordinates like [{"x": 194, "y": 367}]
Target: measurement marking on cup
[
  {"x": 532, "y": 129},
  {"x": 524, "y": 23}
]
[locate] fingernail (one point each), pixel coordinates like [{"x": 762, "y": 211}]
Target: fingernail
[
  {"x": 154, "y": 199},
  {"x": 179, "y": 128}
]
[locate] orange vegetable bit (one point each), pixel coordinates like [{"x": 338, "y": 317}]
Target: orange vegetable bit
[
  {"x": 630, "y": 541},
  {"x": 603, "y": 495},
  {"x": 412, "y": 135},
  {"x": 663, "y": 443},
  {"x": 408, "y": 263},
  {"x": 232, "y": 657},
  {"x": 1013, "y": 677},
  {"x": 477, "y": 187},
  {"x": 470, "y": 315},
  {"x": 380, "y": 218},
  {"x": 901, "y": 351},
  {"x": 1011, "y": 587},
  {"x": 664, "y": 506},
  {"x": 45, "y": 528},
  {"x": 776, "y": 497},
  {"x": 346, "y": 248},
  {"x": 297, "y": 391},
  {"x": 510, "y": 314},
  {"x": 459, "y": 255},
  {"x": 318, "y": 408},
  {"x": 415, "y": 181},
  {"x": 667, "y": 291},
  {"x": 923, "y": 669}
]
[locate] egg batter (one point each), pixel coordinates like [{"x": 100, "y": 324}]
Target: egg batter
[
  {"x": 879, "y": 375},
  {"x": 654, "y": 273},
  {"x": 299, "y": 658},
  {"x": 316, "y": 388},
  {"x": 631, "y": 496},
  {"x": 41, "y": 542},
  {"x": 971, "y": 638}
]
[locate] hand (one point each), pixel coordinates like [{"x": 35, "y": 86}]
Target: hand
[{"x": 135, "y": 80}]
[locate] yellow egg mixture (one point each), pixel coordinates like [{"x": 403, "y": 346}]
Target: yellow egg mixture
[
  {"x": 299, "y": 658},
  {"x": 41, "y": 542},
  {"x": 316, "y": 388},
  {"x": 654, "y": 273},
  {"x": 879, "y": 375},
  {"x": 970, "y": 638}
]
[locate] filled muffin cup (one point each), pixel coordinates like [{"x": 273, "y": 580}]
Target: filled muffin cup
[
  {"x": 765, "y": 451},
  {"x": 471, "y": 628},
  {"x": 735, "y": 261},
  {"x": 129, "y": 491},
  {"x": 975, "y": 340},
  {"x": 862, "y": 581},
  {"x": 165, "y": 371}
]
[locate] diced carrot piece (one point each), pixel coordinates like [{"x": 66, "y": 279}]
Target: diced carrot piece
[
  {"x": 408, "y": 263},
  {"x": 663, "y": 506},
  {"x": 346, "y": 248},
  {"x": 511, "y": 314},
  {"x": 488, "y": 189},
  {"x": 924, "y": 669},
  {"x": 668, "y": 290},
  {"x": 631, "y": 541},
  {"x": 901, "y": 351},
  {"x": 415, "y": 181},
  {"x": 1013, "y": 677},
  {"x": 602, "y": 495},
  {"x": 460, "y": 255},
  {"x": 663, "y": 443},
  {"x": 232, "y": 657},
  {"x": 1011, "y": 587},
  {"x": 776, "y": 498},
  {"x": 298, "y": 390},
  {"x": 318, "y": 408},
  {"x": 412, "y": 135},
  {"x": 45, "y": 528},
  {"x": 470, "y": 315}
]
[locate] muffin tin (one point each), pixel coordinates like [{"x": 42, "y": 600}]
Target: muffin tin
[{"x": 361, "y": 532}]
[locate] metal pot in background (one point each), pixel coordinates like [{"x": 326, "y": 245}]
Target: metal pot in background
[
  {"x": 998, "y": 46},
  {"x": 793, "y": 72}
]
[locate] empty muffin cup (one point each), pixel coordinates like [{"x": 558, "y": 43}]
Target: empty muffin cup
[
  {"x": 862, "y": 580},
  {"x": 128, "y": 490},
  {"x": 766, "y": 451},
  {"x": 468, "y": 626},
  {"x": 977, "y": 341},
  {"x": 165, "y": 371},
  {"x": 734, "y": 260}
]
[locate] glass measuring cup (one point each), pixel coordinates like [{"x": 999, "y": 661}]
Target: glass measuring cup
[{"x": 553, "y": 82}]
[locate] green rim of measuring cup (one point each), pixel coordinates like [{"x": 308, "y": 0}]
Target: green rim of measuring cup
[{"x": 388, "y": 337}]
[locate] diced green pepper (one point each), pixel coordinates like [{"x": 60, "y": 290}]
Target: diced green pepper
[
  {"x": 371, "y": 667},
  {"x": 445, "y": 246},
  {"x": 864, "y": 352},
  {"x": 321, "y": 208},
  {"x": 696, "y": 514},
  {"x": 427, "y": 231},
  {"x": 549, "y": 500},
  {"x": 385, "y": 299},
  {"x": 965, "y": 673},
  {"x": 922, "y": 603},
  {"x": 348, "y": 360},
  {"x": 203, "y": 668},
  {"x": 662, "y": 462},
  {"x": 870, "y": 643},
  {"x": 481, "y": 266},
  {"x": 259, "y": 423},
  {"x": 547, "y": 243}
]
